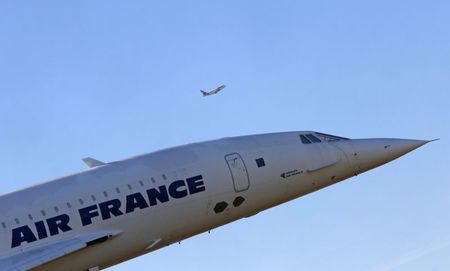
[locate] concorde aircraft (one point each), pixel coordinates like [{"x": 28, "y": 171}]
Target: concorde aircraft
[
  {"x": 212, "y": 92},
  {"x": 116, "y": 211}
]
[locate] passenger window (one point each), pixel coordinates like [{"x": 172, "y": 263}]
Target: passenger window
[
  {"x": 313, "y": 138},
  {"x": 304, "y": 139}
]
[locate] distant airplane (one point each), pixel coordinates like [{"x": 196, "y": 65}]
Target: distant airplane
[
  {"x": 116, "y": 211},
  {"x": 212, "y": 92}
]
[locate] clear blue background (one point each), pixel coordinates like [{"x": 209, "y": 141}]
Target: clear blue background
[{"x": 110, "y": 79}]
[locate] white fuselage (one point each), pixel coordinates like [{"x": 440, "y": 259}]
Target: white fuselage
[{"x": 160, "y": 198}]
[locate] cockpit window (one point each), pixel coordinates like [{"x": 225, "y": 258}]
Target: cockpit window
[
  {"x": 327, "y": 137},
  {"x": 319, "y": 137},
  {"x": 305, "y": 140},
  {"x": 313, "y": 138}
]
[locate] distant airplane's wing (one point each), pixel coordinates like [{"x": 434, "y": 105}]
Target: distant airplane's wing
[
  {"x": 91, "y": 162},
  {"x": 39, "y": 256}
]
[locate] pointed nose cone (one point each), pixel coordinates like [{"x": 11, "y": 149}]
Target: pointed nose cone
[
  {"x": 400, "y": 147},
  {"x": 371, "y": 153}
]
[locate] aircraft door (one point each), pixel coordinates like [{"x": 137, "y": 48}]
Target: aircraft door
[{"x": 238, "y": 172}]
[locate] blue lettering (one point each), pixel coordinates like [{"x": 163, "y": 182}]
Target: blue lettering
[
  {"x": 196, "y": 184},
  {"x": 109, "y": 208},
  {"x": 175, "y": 192},
  {"x": 58, "y": 223},
  {"x": 135, "y": 201},
  {"x": 41, "y": 230},
  {"x": 154, "y": 195},
  {"x": 86, "y": 214},
  {"x": 22, "y": 234}
]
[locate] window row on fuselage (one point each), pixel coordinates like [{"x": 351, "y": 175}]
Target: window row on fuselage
[{"x": 69, "y": 206}]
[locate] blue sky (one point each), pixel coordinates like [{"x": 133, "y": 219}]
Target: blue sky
[{"x": 111, "y": 79}]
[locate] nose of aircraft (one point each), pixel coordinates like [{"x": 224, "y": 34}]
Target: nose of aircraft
[
  {"x": 399, "y": 147},
  {"x": 371, "y": 153}
]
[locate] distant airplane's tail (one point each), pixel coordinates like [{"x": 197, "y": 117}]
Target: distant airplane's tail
[{"x": 204, "y": 93}]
